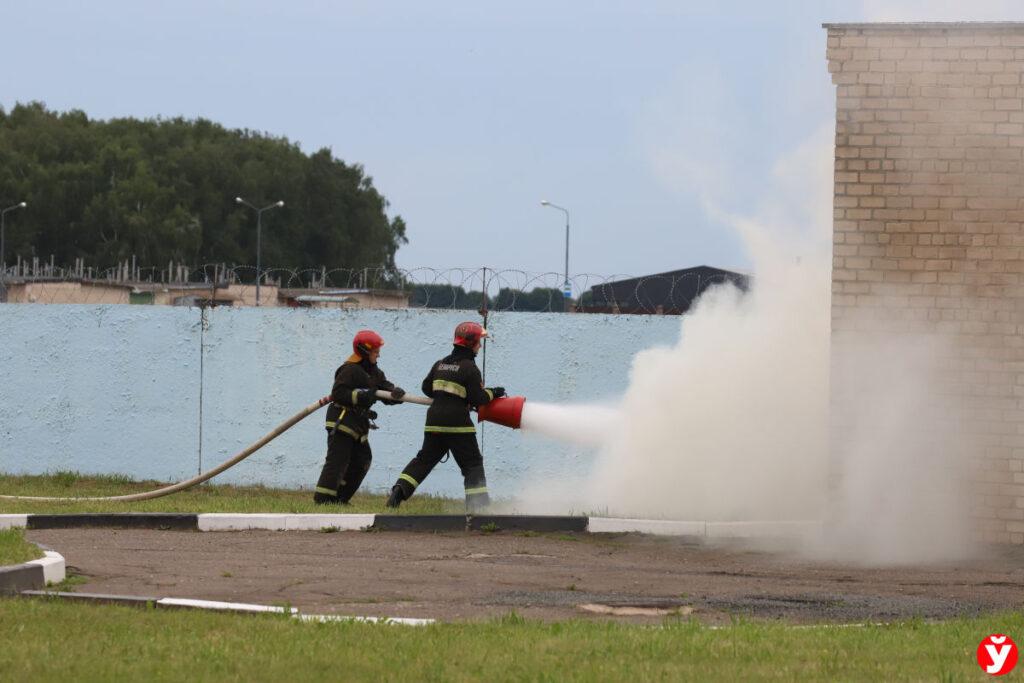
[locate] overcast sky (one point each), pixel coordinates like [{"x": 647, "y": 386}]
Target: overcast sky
[{"x": 467, "y": 114}]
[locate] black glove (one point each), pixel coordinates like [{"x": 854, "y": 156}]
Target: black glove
[
  {"x": 498, "y": 392},
  {"x": 397, "y": 391},
  {"x": 365, "y": 398},
  {"x": 372, "y": 414}
]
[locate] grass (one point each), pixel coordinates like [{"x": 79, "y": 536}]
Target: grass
[
  {"x": 49, "y": 640},
  {"x": 203, "y": 498},
  {"x": 68, "y": 585},
  {"x": 14, "y": 549}
]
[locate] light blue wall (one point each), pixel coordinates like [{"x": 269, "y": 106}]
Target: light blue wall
[{"x": 116, "y": 389}]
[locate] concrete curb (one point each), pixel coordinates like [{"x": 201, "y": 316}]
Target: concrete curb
[
  {"x": 657, "y": 527},
  {"x": 13, "y": 521},
  {"x": 424, "y": 523},
  {"x": 419, "y": 523},
  {"x": 283, "y": 522},
  {"x": 213, "y": 605},
  {"x": 119, "y": 520},
  {"x": 527, "y": 523},
  {"x": 33, "y": 574},
  {"x": 19, "y": 577}
]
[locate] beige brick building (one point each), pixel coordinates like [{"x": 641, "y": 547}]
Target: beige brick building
[
  {"x": 929, "y": 222},
  {"x": 236, "y": 295}
]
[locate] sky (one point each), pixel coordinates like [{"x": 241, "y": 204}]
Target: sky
[{"x": 632, "y": 115}]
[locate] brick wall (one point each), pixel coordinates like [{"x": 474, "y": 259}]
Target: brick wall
[{"x": 929, "y": 208}]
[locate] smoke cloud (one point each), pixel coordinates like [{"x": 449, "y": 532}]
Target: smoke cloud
[{"x": 737, "y": 420}]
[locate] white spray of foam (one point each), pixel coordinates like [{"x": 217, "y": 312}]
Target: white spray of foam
[{"x": 586, "y": 425}]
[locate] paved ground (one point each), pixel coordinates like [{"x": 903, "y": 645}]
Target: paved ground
[{"x": 475, "y": 576}]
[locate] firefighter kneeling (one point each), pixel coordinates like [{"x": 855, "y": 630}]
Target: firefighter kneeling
[
  {"x": 455, "y": 384},
  {"x": 349, "y": 420}
]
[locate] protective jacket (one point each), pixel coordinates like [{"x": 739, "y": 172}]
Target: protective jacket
[
  {"x": 353, "y": 393},
  {"x": 455, "y": 384}
]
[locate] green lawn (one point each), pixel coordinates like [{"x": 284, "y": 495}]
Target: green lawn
[
  {"x": 204, "y": 498},
  {"x": 51, "y": 640},
  {"x": 14, "y": 549}
]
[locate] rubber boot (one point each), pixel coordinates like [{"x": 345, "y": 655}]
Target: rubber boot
[
  {"x": 324, "y": 499},
  {"x": 396, "y": 497},
  {"x": 477, "y": 503}
]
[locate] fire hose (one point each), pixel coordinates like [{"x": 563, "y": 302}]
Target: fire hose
[{"x": 508, "y": 416}]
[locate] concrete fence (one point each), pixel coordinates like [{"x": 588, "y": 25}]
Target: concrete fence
[{"x": 166, "y": 392}]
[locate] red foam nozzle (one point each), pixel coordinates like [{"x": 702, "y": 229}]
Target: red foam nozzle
[{"x": 507, "y": 411}]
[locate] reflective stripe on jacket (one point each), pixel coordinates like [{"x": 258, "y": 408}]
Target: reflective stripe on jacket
[
  {"x": 349, "y": 411},
  {"x": 455, "y": 384}
]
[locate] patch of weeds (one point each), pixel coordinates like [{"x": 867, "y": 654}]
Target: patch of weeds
[
  {"x": 330, "y": 529},
  {"x": 527, "y": 534},
  {"x": 119, "y": 479},
  {"x": 490, "y": 528},
  {"x": 914, "y": 623},
  {"x": 227, "y": 575},
  {"x": 571, "y": 587},
  {"x": 65, "y": 478},
  {"x": 68, "y": 584},
  {"x": 736, "y": 619},
  {"x": 565, "y": 537},
  {"x": 513, "y": 618},
  {"x": 286, "y": 609}
]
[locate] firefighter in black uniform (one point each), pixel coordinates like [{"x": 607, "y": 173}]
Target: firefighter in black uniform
[
  {"x": 455, "y": 384},
  {"x": 349, "y": 420}
]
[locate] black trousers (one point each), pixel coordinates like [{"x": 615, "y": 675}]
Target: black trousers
[
  {"x": 346, "y": 465},
  {"x": 466, "y": 452}
]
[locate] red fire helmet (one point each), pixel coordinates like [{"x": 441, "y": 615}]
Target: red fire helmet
[
  {"x": 468, "y": 334},
  {"x": 366, "y": 341}
]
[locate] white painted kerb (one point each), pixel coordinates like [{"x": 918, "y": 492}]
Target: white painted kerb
[
  {"x": 13, "y": 521},
  {"x": 224, "y": 606},
  {"x": 226, "y": 521},
  {"x": 54, "y": 570},
  {"x": 658, "y": 527}
]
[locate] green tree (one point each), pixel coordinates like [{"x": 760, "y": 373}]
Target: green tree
[
  {"x": 446, "y": 296},
  {"x": 163, "y": 190},
  {"x": 537, "y": 299}
]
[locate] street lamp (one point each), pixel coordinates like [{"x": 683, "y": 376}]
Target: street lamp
[
  {"x": 259, "y": 237},
  {"x": 3, "y": 216},
  {"x": 566, "y": 289}
]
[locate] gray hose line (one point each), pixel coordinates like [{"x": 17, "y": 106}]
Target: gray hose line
[
  {"x": 406, "y": 398},
  {"x": 189, "y": 483}
]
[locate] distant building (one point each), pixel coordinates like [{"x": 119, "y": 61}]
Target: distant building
[
  {"x": 670, "y": 293},
  {"x": 85, "y": 291},
  {"x": 344, "y": 298}
]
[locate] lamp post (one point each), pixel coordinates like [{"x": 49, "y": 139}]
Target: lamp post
[
  {"x": 566, "y": 289},
  {"x": 3, "y": 217},
  {"x": 259, "y": 237}
]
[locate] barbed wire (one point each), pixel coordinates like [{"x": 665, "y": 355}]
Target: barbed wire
[{"x": 421, "y": 287}]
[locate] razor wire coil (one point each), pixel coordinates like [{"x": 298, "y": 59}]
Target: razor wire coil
[{"x": 507, "y": 290}]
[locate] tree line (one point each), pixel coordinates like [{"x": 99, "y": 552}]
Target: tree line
[
  {"x": 507, "y": 299},
  {"x": 163, "y": 190}
]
